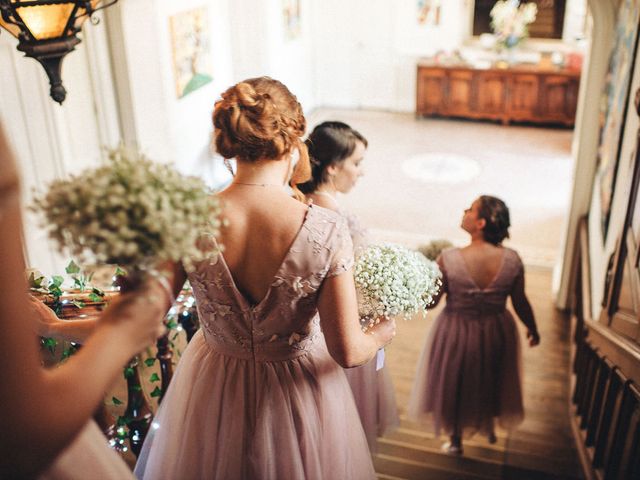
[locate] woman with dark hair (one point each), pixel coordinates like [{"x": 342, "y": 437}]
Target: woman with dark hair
[
  {"x": 336, "y": 152},
  {"x": 469, "y": 372},
  {"x": 259, "y": 392}
]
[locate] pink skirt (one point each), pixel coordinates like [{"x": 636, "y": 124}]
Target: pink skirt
[
  {"x": 228, "y": 417},
  {"x": 375, "y": 400},
  {"x": 469, "y": 375}
]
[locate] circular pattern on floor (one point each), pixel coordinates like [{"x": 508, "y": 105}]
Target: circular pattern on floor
[{"x": 439, "y": 167}]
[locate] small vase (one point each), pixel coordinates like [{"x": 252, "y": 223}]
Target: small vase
[{"x": 507, "y": 57}]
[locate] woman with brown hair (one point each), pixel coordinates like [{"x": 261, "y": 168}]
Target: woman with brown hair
[
  {"x": 258, "y": 393},
  {"x": 469, "y": 372}
]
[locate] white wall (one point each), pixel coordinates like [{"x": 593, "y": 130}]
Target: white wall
[
  {"x": 165, "y": 127},
  {"x": 366, "y": 50},
  {"x": 260, "y": 46}
]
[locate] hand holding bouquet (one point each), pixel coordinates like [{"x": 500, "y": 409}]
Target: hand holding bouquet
[{"x": 392, "y": 280}]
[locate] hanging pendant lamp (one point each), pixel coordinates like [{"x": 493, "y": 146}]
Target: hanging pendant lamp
[{"x": 46, "y": 30}]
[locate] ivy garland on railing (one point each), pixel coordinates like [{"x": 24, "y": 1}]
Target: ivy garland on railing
[
  {"x": 53, "y": 289},
  {"x": 181, "y": 317}
]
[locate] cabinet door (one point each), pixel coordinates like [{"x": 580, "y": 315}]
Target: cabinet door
[
  {"x": 491, "y": 94},
  {"x": 523, "y": 97},
  {"x": 459, "y": 93},
  {"x": 559, "y": 99},
  {"x": 431, "y": 90}
]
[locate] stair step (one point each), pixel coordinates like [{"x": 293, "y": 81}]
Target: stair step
[
  {"x": 472, "y": 449},
  {"x": 529, "y": 454},
  {"x": 523, "y": 444},
  {"x": 539, "y": 466},
  {"x": 435, "y": 458},
  {"x": 382, "y": 476},
  {"x": 517, "y": 473},
  {"x": 414, "y": 470}
]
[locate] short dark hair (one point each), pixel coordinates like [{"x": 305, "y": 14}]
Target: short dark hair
[
  {"x": 496, "y": 216},
  {"x": 330, "y": 143}
]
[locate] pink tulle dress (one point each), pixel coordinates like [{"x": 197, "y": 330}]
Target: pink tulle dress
[
  {"x": 256, "y": 394},
  {"x": 372, "y": 389},
  {"x": 88, "y": 456},
  {"x": 469, "y": 372}
]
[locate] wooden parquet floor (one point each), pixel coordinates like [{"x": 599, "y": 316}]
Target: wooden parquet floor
[{"x": 541, "y": 448}]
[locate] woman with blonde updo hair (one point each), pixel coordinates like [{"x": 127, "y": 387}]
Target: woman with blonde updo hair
[{"x": 259, "y": 392}]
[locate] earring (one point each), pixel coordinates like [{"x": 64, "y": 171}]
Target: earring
[{"x": 227, "y": 164}]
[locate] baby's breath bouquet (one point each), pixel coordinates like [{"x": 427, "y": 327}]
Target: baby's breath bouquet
[
  {"x": 392, "y": 280},
  {"x": 131, "y": 212}
]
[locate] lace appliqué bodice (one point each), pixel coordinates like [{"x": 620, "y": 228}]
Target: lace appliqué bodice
[{"x": 285, "y": 323}]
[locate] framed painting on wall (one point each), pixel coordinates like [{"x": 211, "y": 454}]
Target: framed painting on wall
[
  {"x": 191, "y": 50},
  {"x": 613, "y": 103},
  {"x": 428, "y": 12},
  {"x": 291, "y": 18}
]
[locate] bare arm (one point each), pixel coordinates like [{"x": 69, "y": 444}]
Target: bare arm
[
  {"x": 338, "y": 307},
  {"x": 523, "y": 309},
  {"x": 43, "y": 410}
]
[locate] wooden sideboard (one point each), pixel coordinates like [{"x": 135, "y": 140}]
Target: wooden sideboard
[{"x": 516, "y": 94}]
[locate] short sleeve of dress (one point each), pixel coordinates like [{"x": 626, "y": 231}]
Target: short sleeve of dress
[
  {"x": 518, "y": 266},
  {"x": 341, "y": 246}
]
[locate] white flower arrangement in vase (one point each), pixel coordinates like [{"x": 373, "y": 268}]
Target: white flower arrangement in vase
[
  {"x": 131, "y": 212},
  {"x": 392, "y": 280},
  {"x": 510, "y": 20}
]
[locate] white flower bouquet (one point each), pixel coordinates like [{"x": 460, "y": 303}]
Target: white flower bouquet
[
  {"x": 392, "y": 280},
  {"x": 510, "y": 20},
  {"x": 131, "y": 212}
]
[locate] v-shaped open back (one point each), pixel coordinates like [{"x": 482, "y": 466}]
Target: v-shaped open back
[
  {"x": 243, "y": 293},
  {"x": 473, "y": 280}
]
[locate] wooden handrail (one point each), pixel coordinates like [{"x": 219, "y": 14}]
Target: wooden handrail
[{"x": 621, "y": 351}]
